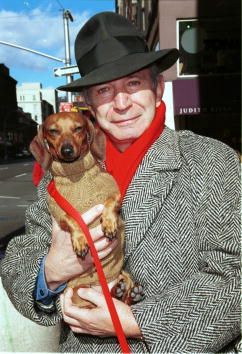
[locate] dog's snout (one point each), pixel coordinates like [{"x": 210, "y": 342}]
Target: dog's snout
[{"x": 67, "y": 151}]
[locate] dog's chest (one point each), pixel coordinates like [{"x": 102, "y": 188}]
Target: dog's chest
[{"x": 83, "y": 191}]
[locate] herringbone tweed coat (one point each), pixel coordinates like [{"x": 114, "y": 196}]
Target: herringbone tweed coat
[{"x": 182, "y": 222}]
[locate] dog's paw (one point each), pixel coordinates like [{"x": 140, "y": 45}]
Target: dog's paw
[
  {"x": 119, "y": 290},
  {"x": 109, "y": 227},
  {"x": 129, "y": 297},
  {"x": 136, "y": 294},
  {"x": 80, "y": 246}
]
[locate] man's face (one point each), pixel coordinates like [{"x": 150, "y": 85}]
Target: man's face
[{"x": 125, "y": 108}]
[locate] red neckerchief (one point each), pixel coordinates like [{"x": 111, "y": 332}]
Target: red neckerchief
[{"x": 122, "y": 165}]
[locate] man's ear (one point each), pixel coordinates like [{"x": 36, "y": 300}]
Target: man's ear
[
  {"x": 92, "y": 111},
  {"x": 86, "y": 100},
  {"x": 159, "y": 89},
  {"x": 39, "y": 151}
]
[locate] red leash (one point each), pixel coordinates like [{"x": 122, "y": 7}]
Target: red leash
[{"x": 70, "y": 210}]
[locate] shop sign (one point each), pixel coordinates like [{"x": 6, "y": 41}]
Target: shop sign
[{"x": 206, "y": 96}]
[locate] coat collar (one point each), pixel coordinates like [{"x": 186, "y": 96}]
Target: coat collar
[
  {"x": 164, "y": 155},
  {"x": 149, "y": 188}
]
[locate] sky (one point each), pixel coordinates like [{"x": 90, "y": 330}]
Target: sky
[{"x": 38, "y": 25}]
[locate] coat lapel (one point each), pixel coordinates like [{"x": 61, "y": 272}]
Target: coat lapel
[{"x": 149, "y": 188}]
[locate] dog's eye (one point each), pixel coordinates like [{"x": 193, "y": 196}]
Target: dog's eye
[
  {"x": 53, "y": 132},
  {"x": 78, "y": 129}
]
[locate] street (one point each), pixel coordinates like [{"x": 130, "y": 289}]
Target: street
[{"x": 16, "y": 193}]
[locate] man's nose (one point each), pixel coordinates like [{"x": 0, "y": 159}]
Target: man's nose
[{"x": 122, "y": 101}]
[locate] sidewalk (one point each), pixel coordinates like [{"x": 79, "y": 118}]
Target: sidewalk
[{"x": 19, "y": 334}]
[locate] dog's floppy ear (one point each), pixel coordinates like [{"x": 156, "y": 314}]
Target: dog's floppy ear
[
  {"x": 38, "y": 149},
  {"x": 97, "y": 141}
]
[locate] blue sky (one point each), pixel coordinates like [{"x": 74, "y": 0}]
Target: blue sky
[{"x": 38, "y": 25}]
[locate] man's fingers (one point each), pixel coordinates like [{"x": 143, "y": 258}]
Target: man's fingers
[
  {"x": 71, "y": 321},
  {"x": 65, "y": 299},
  {"x": 92, "y": 213},
  {"x": 77, "y": 329},
  {"x": 104, "y": 243},
  {"x": 87, "y": 331},
  {"x": 65, "y": 302},
  {"x": 107, "y": 250},
  {"x": 96, "y": 233},
  {"x": 71, "y": 311}
]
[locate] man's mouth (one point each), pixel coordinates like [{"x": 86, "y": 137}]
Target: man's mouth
[{"x": 126, "y": 121}]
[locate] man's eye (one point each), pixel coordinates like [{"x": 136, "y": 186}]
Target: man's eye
[
  {"x": 104, "y": 90},
  {"x": 53, "y": 132},
  {"x": 78, "y": 129},
  {"x": 133, "y": 83}
]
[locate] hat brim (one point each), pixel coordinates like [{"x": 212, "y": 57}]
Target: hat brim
[{"x": 163, "y": 59}]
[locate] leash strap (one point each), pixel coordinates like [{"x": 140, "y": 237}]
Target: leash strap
[{"x": 70, "y": 210}]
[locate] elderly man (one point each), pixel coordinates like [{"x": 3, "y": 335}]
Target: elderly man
[{"x": 180, "y": 207}]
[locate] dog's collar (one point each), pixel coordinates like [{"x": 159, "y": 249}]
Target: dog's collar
[{"x": 72, "y": 168}]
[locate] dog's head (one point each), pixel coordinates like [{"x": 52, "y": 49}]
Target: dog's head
[{"x": 68, "y": 136}]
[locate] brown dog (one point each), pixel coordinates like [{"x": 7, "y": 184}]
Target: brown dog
[{"x": 77, "y": 149}]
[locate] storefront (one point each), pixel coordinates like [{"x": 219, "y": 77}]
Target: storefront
[
  {"x": 209, "y": 106},
  {"x": 206, "y": 80}
]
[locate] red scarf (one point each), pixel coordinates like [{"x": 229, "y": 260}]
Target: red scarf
[{"x": 122, "y": 165}]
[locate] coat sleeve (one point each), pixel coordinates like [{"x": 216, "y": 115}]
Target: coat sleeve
[
  {"x": 21, "y": 264},
  {"x": 202, "y": 313}
]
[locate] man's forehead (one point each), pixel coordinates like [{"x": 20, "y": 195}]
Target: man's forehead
[{"x": 140, "y": 74}]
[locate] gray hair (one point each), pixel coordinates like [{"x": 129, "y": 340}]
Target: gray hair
[{"x": 154, "y": 73}]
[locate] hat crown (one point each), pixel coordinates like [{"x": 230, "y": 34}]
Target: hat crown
[
  {"x": 109, "y": 47},
  {"x": 106, "y": 37}
]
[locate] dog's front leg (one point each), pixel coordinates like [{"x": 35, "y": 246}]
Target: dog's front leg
[
  {"x": 79, "y": 242},
  {"x": 110, "y": 216}
]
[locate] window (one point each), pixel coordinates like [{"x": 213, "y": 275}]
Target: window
[{"x": 208, "y": 46}]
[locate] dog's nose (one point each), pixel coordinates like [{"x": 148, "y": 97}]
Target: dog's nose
[{"x": 67, "y": 151}]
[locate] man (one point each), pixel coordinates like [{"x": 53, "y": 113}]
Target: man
[{"x": 180, "y": 207}]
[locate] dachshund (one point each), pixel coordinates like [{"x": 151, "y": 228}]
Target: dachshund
[{"x": 76, "y": 150}]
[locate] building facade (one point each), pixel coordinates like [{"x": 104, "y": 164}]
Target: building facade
[
  {"x": 16, "y": 127},
  {"x": 37, "y": 101},
  {"x": 50, "y": 95},
  {"x": 30, "y": 100}
]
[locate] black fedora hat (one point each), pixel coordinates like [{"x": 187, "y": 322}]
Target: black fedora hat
[{"x": 109, "y": 47}]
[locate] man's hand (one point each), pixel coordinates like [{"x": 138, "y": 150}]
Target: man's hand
[
  {"x": 97, "y": 321},
  {"x": 62, "y": 263}
]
